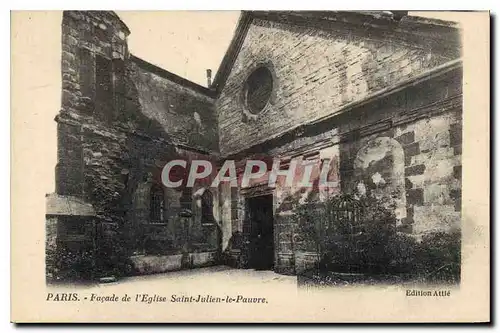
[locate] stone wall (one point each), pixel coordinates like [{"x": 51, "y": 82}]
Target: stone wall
[
  {"x": 50, "y": 249},
  {"x": 357, "y": 62},
  {"x": 187, "y": 115},
  {"x": 433, "y": 173},
  {"x": 121, "y": 120},
  {"x": 404, "y": 149}
]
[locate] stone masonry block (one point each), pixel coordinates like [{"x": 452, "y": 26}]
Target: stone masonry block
[
  {"x": 412, "y": 149},
  {"x": 457, "y": 172},
  {"x": 415, "y": 196},
  {"x": 415, "y": 170},
  {"x": 435, "y": 218},
  {"x": 406, "y": 138}
]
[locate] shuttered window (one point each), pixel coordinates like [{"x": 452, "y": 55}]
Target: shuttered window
[{"x": 157, "y": 205}]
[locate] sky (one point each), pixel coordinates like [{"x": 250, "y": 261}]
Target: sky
[{"x": 187, "y": 43}]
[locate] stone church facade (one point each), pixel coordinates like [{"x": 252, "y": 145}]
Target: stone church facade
[{"x": 378, "y": 96}]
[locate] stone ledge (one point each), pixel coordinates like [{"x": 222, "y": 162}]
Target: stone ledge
[
  {"x": 65, "y": 205},
  {"x": 150, "y": 264}
]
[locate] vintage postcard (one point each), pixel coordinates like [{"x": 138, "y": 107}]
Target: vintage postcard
[{"x": 253, "y": 166}]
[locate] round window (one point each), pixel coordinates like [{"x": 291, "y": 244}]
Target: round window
[{"x": 258, "y": 89}]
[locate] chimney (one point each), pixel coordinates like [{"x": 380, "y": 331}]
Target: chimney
[{"x": 209, "y": 77}]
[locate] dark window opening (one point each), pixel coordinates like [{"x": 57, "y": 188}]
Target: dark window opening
[
  {"x": 86, "y": 73},
  {"x": 186, "y": 199},
  {"x": 207, "y": 204},
  {"x": 157, "y": 209},
  {"x": 100, "y": 80},
  {"x": 258, "y": 89},
  {"x": 119, "y": 93},
  {"x": 104, "y": 86}
]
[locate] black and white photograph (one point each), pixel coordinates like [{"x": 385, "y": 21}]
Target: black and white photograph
[{"x": 306, "y": 151}]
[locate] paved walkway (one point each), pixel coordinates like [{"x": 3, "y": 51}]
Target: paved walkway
[
  {"x": 216, "y": 274},
  {"x": 199, "y": 279}
]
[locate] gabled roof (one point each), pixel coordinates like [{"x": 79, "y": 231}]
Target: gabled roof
[{"x": 420, "y": 28}]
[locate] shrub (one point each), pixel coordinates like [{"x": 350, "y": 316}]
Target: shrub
[
  {"x": 439, "y": 255},
  {"x": 371, "y": 243},
  {"x": 72, "y": 265},
  {"x": 112, "y": 257},
  {"x": 361, "y": 246}
]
